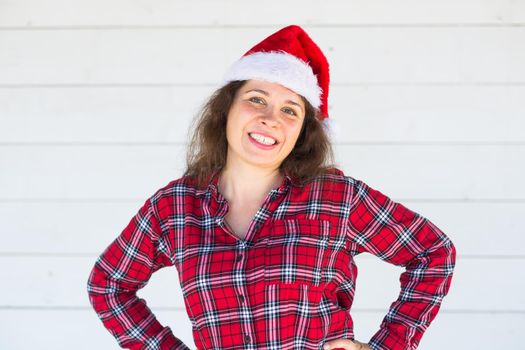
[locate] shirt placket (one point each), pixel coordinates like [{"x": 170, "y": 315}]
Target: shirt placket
[
  {"x": 239, "y": 274},
  {"x": 239, "y": 278},
  {"x": 241, "y": 290},
  {"x": 242, "y": 251},
  {"x": 239, "y": 283}
]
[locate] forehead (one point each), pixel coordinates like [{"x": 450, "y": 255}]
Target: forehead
[{"x": 271, "y": 88}]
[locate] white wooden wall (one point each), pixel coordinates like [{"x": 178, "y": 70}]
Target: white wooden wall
[{"x": 96, "y": 98}]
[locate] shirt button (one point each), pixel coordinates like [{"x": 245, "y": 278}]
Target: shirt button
[
  {"x": 239, "y": 257},
  {"x": 247, "y": 338},
  {"x": 242, "y": 298}
]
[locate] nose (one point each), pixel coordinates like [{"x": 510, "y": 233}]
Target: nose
[{"x": 270, "y": 117}]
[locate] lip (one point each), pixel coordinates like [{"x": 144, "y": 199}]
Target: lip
[
  {"x": 264, "y": 134},
  {"x": 260, "y": 145}
]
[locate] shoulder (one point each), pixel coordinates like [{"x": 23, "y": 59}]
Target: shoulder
[
  {"x": 336, "y": 177},
  {"x": 181, "y": 187},
  {"x": 333, "y": 183}
]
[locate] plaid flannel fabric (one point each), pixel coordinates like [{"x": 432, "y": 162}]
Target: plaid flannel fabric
[{"x": 289, "y": 284}]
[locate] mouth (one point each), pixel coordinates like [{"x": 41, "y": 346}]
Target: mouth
[
  {"x": 262, "y": 142},
  {"x": 263, "y": 139}
]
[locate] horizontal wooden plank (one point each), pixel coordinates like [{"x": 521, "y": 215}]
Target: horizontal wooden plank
[
  {"x": 163, "y": 114},
  {"x": 88, "y": 227},
  {"x": 378, "y": 285},
  {"x": 28, "y": 13},
  {"x": 202, "y": 55},
  {"x": 99, "y": 114},
  {"x": 457, "y": 330},
  {"x": 61, "y": 282},
  {"x": 436, "y": 172},
  {"x": 448, "y": 330},
  {"x": 61, "y": 171},
  {"x": 73, "y": 329}
]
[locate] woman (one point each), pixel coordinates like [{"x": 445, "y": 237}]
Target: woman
[{"x": 263, "y": 229}]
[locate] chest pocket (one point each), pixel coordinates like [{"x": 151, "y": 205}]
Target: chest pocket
[{"x": 297, "y": 251}]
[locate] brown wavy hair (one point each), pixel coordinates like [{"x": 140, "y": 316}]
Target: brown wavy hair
[{"x": 311, "y": 156}]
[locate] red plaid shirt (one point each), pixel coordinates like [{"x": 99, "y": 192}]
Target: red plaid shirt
[{"x": 289, "y": 284}]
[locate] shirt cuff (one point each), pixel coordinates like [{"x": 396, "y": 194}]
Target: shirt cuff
[
  {"x": 165, "y": 340},
  {"x": 387, "y": 340}
]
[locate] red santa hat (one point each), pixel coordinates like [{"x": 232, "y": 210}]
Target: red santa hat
[{"x": 291, "y": 58}]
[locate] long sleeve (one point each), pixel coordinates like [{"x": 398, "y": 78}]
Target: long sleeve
[
  {"x": 389, "y": 230},
  {"x": 124, "y": 267}
]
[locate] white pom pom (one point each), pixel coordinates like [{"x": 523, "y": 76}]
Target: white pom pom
[{"x": 331, "y": 128}]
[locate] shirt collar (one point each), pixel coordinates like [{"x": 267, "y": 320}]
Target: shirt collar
[{"x": 212, "y": 187}]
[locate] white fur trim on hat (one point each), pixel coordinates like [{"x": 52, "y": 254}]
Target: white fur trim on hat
[
  {"x": 332, "y": 128},
  {"x": 278, "y": 67}
]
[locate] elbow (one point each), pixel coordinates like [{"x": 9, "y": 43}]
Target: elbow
[
  {"x": 91, "y": 285},
  {"x": 450, "y": 253},
  {"x": 97, "y": 287},
  {"x": 451, "y": 257},
  {"x": 444, "y": 249},
  {"x": 449, "y": 264}
]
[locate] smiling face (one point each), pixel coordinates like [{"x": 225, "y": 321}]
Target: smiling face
[{"x": 263, "y": 125}]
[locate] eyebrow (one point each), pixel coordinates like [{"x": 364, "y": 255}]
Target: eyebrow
[{"x": 267, "y": 94}]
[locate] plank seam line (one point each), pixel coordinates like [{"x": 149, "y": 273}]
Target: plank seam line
[
  {"x": 244, "y": 26},
  {"x": 211, "y": 84}
]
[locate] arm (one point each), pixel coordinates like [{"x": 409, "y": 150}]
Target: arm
[
  {"x": 124, "y": 267},
  {"x": 396, "y": 234}
]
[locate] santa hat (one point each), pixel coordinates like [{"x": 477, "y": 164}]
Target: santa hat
[{"x": 288, "y": 57}]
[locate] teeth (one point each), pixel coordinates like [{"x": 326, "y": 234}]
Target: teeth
[{"x": 262, "y": 139}]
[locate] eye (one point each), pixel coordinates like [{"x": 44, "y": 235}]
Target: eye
[
  {"x": 257, "y": 100},
  {"x": 289, "y": 111}
]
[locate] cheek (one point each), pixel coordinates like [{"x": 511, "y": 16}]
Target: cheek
[
  {"x": 295, "y": 130},
  {"x": 293, "y": 136},
  {"x": 245, "y": 110},
  {"x": 234, "y": 124}
]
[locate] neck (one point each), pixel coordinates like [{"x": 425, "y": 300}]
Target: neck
[{"x": 245, "y": 185}]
